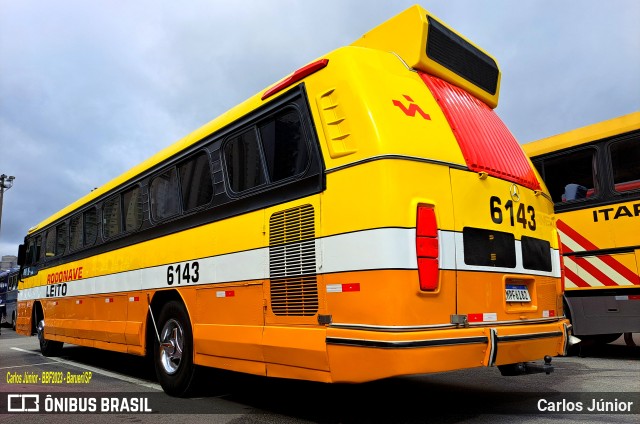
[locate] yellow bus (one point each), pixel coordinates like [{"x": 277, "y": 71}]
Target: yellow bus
[
  {"x": 593, "y": 176},
  {"x": 333, "y": 227}
]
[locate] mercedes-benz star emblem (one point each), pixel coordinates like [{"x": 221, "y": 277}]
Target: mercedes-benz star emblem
[{"x": 515, "y": 193}]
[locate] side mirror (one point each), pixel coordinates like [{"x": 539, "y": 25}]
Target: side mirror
[{"x": 22, "y": 254}]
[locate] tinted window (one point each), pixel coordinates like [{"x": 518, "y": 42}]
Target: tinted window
[
  {"x": 30, "y": 256},
  {"x": 625, "y": 157},
  {"x": 164, "y": 195},
  {"x": 75, "y": 232},
  {"x": 571, "y": 176},
  {"x": 284, "y": 146},
  {"x": 61, "y": 239},
  {"x": 536, "y": 254},
  {"x": 488, "y": 248},
  {"x": 90, "y": 226},
  {"x": 111, "y": 223},
  {"x": 195, "y": 182},
  {"x": 39, "y": 251},
  {"x": 244, "y": 164},
  {"x": 33, "y": 250},
  {"x": 132, "y": 209},
  {"x": 43, "y": 250},
  {"x": 50, "y": 244}
]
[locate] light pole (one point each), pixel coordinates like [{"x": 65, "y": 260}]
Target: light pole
[{"x": 5, "y": 184}]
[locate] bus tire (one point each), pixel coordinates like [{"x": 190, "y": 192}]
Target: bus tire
[
  {"x": 173, "y": 355},
  {"x": 601, "y": 339},
  {"x": 13, "y": 321},
  {"x": 47, "y": 347}
]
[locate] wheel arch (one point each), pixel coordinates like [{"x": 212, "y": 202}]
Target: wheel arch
[
  {"x": 36, "y": 312},
  {"x": 158, "y": 300}
]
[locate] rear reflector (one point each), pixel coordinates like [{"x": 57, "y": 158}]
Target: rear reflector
[
  {"x": 427, "y": 247},
  {"x": 343, "y": 288},
  {"x": 295, "y": 77},
  {"x": 629, "y": 297},
  {"x": 484, "y": 317}
]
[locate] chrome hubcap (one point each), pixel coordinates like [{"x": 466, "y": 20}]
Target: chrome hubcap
[
  {"x": 40, "y": 329},
  {"x": 171, "y": 346}
]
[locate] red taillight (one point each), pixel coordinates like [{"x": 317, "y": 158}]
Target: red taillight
[
  {"x": 561, "y": 262},
  {"x": 427, "y": 247},
  {"x": 301, "y": 73}
]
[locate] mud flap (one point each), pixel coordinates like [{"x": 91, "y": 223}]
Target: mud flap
[{"x": 569, "y": 339}]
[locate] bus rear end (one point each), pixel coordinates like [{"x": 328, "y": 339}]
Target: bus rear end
[{"x": 439, "y": 250}]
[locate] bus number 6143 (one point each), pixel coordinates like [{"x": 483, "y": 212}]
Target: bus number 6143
[
  {"x": 519, "y": 215},
  {"x": 188, "y": 272}
]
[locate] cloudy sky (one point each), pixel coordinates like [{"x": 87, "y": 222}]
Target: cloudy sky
[{"x": 90, "y": 88}]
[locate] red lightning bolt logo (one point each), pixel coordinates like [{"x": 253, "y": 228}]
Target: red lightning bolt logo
[{"x": 412, "y": 109}]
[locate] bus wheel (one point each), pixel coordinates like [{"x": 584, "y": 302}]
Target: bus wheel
[
  {"x": 47, "y": 347},
  {"x": 601, "y": 339},
  {"x": 173, "y": 355},
  {"x": 13, "y": 321}
]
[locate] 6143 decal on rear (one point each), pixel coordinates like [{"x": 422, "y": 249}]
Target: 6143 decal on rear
[{"x": 519, "y": 216}]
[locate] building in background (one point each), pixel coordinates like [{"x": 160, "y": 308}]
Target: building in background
[{"x": 8, "y": 261}]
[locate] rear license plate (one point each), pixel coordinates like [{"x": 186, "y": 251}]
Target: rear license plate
[{"x": 517, "y": 293}]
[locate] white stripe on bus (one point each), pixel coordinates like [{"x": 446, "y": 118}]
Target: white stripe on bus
[{"x": 376, "y": 249}]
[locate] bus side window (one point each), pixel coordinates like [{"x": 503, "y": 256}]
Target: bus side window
[
  {"x": 625, "y": 156},
  {"x": 33, "y": 251},
  {"x": 244, "y": 164},
  {"x": 38, "y": 251},
  {"x": 574, "y": 170},
  {"x": 195, "y": 181},
  {"x": 75, "y": 232},
  {"x": 50, "y": 244},
  {"x": 132, "y": 209},
  {"x": 90, "y": 219},
  {"x": 111, "y": 222},
  {"x": 284, "y": 145},
  {"x": 163, "y": 193},
  {"x": 61, "y": 239}
]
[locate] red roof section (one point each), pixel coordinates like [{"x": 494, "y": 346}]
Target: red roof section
[{"x": 485, "y": 141}]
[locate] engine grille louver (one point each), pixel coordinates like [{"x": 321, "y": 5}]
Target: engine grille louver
[{"x": 292, "y": 262}]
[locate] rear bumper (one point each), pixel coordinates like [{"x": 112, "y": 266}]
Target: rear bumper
[{"x": 365, "y": 354}]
